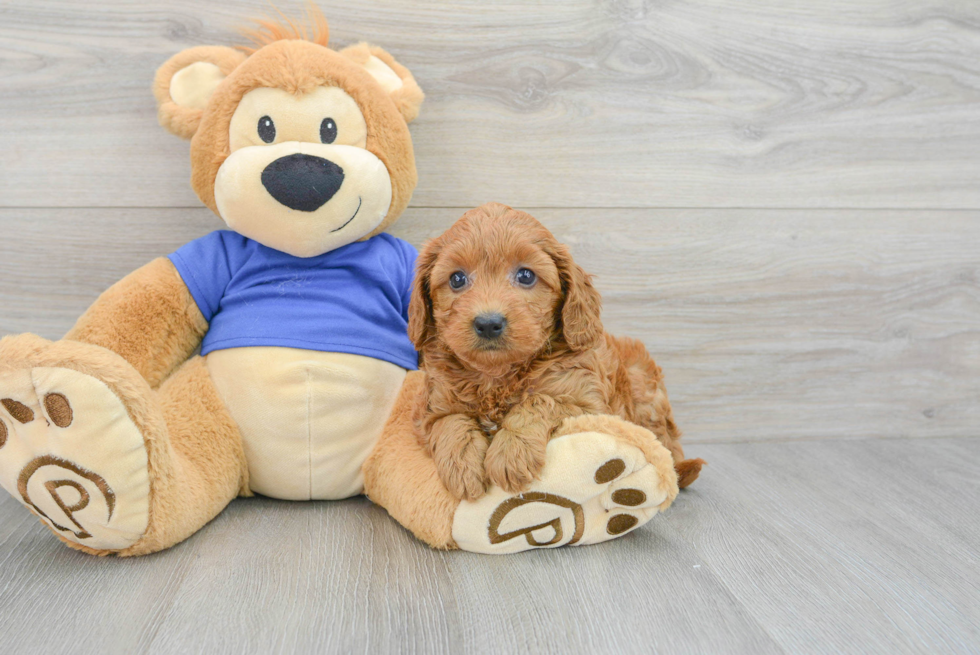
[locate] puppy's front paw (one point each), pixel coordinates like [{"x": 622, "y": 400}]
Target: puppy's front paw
[
  {"x": 470, "y": 483},
  {"x": 513, "y": 461},
  {"x": 460, "y": 466}
]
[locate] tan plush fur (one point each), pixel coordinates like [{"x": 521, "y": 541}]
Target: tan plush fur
[
  {"x": 149, "y": 318},
  {"x": 203, "y": 448},
  {"x": 269, "y": 30},
  {"x": 552, "y": 362},
  {"x": 409, "y": 97},
  {"x": 400, "y": 476},
  {"x": 183, "y": 121}
]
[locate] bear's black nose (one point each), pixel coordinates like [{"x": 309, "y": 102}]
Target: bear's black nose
[
  {"x": 302, "y": 182},
  {"x": 489, "y": 326}
]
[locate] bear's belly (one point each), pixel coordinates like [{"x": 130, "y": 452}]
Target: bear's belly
[{"x": 308, "y": 419}]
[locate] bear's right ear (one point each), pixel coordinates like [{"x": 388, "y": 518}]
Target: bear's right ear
[{"x": 185, "y": 83}]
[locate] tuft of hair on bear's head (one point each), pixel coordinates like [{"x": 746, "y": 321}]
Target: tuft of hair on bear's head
[{"x": 314, "y": 29}]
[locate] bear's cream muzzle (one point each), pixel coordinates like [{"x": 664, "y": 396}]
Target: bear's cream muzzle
[{"x": 303, "y": 198}]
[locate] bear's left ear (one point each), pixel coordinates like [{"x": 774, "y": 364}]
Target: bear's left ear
[
  {"x": 392, "y": 76},
  {"x": 184, "y": 84}
]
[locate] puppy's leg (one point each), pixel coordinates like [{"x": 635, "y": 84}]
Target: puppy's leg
[
  {"x": 651, "y": 407},
  {"x": 517, "y": 452},
  {"x": 458, "y": 448}
]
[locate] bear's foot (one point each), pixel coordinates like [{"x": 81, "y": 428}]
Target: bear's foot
[
  {"x": 71, "y": 453},
  {"x": 595, "y": 486}
]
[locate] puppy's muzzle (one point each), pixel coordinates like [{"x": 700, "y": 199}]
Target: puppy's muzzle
[
  {"x": 489, "y": 326},
  {"x": 302, "y": 182}
]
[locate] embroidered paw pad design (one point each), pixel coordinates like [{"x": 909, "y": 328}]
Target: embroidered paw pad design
[
  {"x": 617, "y": 524},
  {"x": 70, "y": 453},
  {"x": 594, "y": 487}
]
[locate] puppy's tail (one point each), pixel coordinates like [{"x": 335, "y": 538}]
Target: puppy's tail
[{"x": 688, "y": 471}]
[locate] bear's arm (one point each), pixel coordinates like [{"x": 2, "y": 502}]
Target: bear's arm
[{"x": 149, "y": 318}]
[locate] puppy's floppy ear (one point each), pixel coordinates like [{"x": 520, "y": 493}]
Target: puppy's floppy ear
[
  {"x": 184, "y": 84},
  {"x": 582, "y": 307},
  {"x": 394, "y": 78},
  {"x": 420, "y": 321}
]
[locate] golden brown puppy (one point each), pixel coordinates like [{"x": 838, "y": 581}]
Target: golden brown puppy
[{"x": 512, "y": 344}]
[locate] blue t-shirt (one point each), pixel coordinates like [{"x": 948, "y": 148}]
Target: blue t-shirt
[{"x": 351, "y": 300}]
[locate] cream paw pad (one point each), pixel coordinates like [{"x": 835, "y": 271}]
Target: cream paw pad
[
  {"x": 70, "y": 452},
  {"x": 593, "y": 488}
]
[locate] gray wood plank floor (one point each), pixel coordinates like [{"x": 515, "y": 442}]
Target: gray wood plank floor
[{"x": 866, "y": 546}]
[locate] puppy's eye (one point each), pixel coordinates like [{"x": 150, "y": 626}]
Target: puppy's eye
[
  {"x": 267, "y": 129},
  {"x": 457, "y": 280},
  {"x": 526, "y": 277},
  {"x": 328, "y": 131}
]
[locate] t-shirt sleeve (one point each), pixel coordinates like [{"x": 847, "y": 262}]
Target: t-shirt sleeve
[
  {"x": 408, "y": 254},
  {"x": 206, "y": 266}
]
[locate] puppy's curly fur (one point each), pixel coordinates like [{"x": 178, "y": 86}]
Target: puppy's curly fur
[{"x": 492, "y": 401}]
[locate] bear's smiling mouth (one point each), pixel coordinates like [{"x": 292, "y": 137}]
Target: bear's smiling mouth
[{"x": 349, "y": 219}]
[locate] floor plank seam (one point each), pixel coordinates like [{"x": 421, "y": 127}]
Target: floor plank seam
[{"x": 727, "y": 442}]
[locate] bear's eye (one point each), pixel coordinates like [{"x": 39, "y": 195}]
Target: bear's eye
[
  {"x": 328, "y": 131},
  {"x": 526, "y": 277},
  {"x": 457, "y": 280},
  {"x": 267, "y": 129}
]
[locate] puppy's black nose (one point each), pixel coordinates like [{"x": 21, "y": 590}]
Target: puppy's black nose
[
  {"x": 302, "y": 182},
  {"x": 489, "y": 326}
]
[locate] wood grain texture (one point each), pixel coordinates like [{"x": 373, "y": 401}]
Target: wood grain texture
[
  {"x": 846, "y": 547},
  {"x": 814, "y": 328},
  {"x": 856, "y": 547},
  {"x": 596, "y": 103},
  {"x": 769, "y": 325}
]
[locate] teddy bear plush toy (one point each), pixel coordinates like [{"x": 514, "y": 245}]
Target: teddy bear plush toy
[{"x": 272, "y": 357}]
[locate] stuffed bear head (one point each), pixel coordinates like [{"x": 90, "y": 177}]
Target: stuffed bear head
[{"x": 299, "y": 147}]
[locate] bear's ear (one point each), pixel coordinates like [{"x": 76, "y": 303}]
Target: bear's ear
[
  {"x": 392, "y": 76},
  {"x": 185, "y": 83}
]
